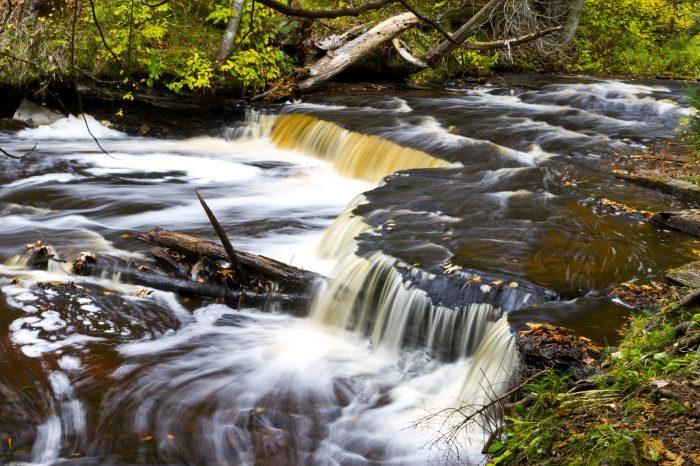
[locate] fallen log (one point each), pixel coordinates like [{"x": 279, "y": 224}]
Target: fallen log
[
  {"x": 92, "y": 265},
  {"x": 287, "y": 277},
  {"x": 165, "y": 258}
]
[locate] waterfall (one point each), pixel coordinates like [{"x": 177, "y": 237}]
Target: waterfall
[
  {"x": 384, "y": 298},
  {"x": 352, "y": 154},
  {"x": 369, "y": 295},
  {"x": 257, "y": 124}
]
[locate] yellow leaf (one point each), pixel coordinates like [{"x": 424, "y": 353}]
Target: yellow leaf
[{"x": 513, "y": 285}]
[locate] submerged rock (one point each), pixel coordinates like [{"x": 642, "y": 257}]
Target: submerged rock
[
  {"x": 687, "y": 221},
  {"x": 35, "y": 115},
  {"x": 686, "y": 275}
]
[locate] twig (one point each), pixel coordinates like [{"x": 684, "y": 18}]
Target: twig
[
  {"x": 87, "y": 126},
  {"x": 226, "y": 243},
  {"x": 4, "y": 152},
  {"x": 428, "y": 21},
  {"x": 154, "y": 5},
  {"x": 102, "y": 36}
]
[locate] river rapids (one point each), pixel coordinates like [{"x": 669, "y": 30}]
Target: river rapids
[{"x": 443, "y": 217}]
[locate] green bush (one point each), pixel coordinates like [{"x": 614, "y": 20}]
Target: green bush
[{"x": 637, "y": 37}]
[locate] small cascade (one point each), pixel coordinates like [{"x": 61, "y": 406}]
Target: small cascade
[
  {"x": 337, "y": 241},
  {"x": 369, "y": 295},
  {"x": 39, "y": 256},
  {"x": 352, "y": 154},
  {"x": 258, "y": 124},
  {"x": 494, "y": 363}
]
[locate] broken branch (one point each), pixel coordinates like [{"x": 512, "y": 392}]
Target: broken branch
[
  {"x": 331, "y": 13},
  {"x": 228, "y": 247}
]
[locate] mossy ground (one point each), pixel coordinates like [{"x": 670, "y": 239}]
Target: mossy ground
[{"x": 642, "y": 408}]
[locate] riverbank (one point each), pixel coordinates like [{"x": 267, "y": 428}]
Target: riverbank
[
  {"x": 638, "y": 403},
  {"x": 640, "y": 407}
]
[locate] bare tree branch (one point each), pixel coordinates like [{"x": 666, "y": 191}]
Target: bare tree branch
[
  {"x": 331, "y": 13},
  {"x": 427, "y": 20},
  {"x": 7, "y": 154},
  {"x": 463, "y": 33},
  {"x": 499, "y": 44},
  {"x": 406, "y": 54},
  {"x": 226, "y": 243},
  {"x": 102, "y": 36}
]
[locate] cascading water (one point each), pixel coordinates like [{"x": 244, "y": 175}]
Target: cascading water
[
  {"x": 427, "y": 267},
  {"x": 352, "y": 154}
]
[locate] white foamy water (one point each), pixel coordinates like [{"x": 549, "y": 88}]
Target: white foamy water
[{"x": 328, "y": 378}]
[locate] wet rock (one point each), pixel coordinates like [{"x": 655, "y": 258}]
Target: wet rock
[
  {"x": 689, "y": 342},
  {"x": 686, "y": 275},
  {"x": 7, "y": 124},
  {"x": 682, "y": 328},
  {"x": 687, "y": 221},
  {"x": 691, "y": 299},
  {"x": 545, "y": 346},
  {"x": 654, "y": 180},
  {"x": 35, "y": 115}
]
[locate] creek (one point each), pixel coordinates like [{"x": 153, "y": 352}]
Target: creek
[{"x": 446, "y": 218}]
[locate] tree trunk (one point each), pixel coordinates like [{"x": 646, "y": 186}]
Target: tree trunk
[
  {"x": 231, "y": 30},
  {"x": 338, "y": 60},
  {"x": 572, "y": 22},
  {"x": 91, "y": 265},
  {"x": 463, "y": 33}
]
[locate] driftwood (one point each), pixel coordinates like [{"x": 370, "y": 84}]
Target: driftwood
[
  {"x": 287, "y": 277},
  {"x": 165, "y": 259},
  {"x": 228, "y": 247},
  {"x": 341, "y": 58},
  {"x": 92, "y": 265}
]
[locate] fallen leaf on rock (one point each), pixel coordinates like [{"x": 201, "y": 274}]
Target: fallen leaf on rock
[{"x": 659, "y": 383}]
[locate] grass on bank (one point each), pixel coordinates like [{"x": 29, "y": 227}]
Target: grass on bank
[{"x": 645, "y": 408}]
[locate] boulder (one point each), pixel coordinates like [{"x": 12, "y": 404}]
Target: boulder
[
  {"x": 687, "y": 221},
  {"x": 35, "y": 115},
  {"x": 686, "y": 275}
]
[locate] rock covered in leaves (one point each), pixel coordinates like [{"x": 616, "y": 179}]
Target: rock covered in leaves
[
  {"x": 686, "y": 275},
  {"x": 545, "y": 346}
]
